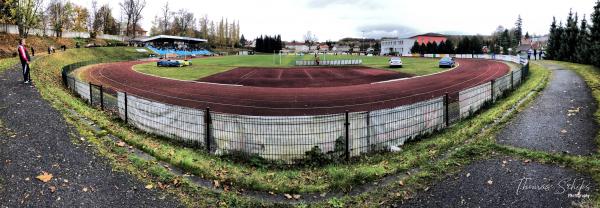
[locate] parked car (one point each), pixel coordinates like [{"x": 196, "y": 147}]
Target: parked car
[
  {"x": 395, "y": 62},
  {"x": 447, "y": 62},
  {"x": 169, "y": 63},
  {"x": 185, "y": 62}
]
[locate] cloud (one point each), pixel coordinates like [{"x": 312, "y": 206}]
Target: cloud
[
  {"x": 357, "y": 3},
  {"x": 386, "y": 30}
]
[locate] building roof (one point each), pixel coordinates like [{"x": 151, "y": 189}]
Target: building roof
[
  {"x": 170, "y": 37},
  {"x": 430, "y": 35}
]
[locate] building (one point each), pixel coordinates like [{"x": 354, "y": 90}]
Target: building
[
  {"x": 429, "y": 37},
  {"x": 402, "y": 46},
  {"x": 297, "y": 47}
]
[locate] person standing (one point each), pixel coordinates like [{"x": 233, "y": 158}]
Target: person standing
[
  {"x": 24, "y": 56},
  {"x": 32, "y": 51}
]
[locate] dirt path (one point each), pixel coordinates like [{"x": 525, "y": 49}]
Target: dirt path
[
  {"x": 545, "y": 125},
  {"x": 506, "y": 182},
  {"x": 561, "y": 120},
  {"x": 36, "y": 138}
]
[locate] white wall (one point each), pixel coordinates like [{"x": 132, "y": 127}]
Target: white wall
[
  {"x": 13, "y": 29},
  {"x": 401, "y": 46}
]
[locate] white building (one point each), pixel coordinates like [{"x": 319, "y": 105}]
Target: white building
[
  {"x": 400, "y": 45},
  {"x": 297, "y": 47}
]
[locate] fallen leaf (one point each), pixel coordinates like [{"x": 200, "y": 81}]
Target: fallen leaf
[
  {"x": 288, "y": 196},
  {"x": 296, "y": 196},
  {"x": 149, "y": 186},
  {"x": 27, "y": 179},
  {"x": 216, "y": 183},
  {"x": 401, "y": 183},
  {"x": 52, "y": 189},
  {"x": 85, "y": 189},
  {"x": 563, "y": 131},
  {"x": 527, "y": 161},
  {"x": 468, "y": 174},
  {"x": 490, "y": 182},
  {"x": 270, "y": 192},
  {"x": 121, "y": 144},
  {"x": 44, "y": 177}
]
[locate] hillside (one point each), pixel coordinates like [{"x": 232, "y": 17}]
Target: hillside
[{"x": 9, "y": 42}]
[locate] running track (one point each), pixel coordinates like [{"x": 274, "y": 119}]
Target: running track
[{"x": 268, "y": 101}]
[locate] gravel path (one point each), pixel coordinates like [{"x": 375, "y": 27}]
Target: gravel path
[
  {"x": 36, "y": 138},
  {"x": 505, "y": 182},
  {"x": 560, "y": 120}
]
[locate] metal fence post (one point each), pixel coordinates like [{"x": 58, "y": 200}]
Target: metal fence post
[
  {"x": 492, "y": 91},
  {"x": 91, "y": 97},
  {"x": 347, "y": 127},
  {"x": 447, "y": 111},
  {"x": 368, "y": 131},
  {"x": 207, "y": 123},
  {"x": 101, "y": 97},
  {"x": 511, "y": 81},
  {"x": 126, "y": 114}
]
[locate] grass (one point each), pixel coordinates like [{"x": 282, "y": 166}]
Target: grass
[
  {"x": 6, "y": 63},
  {"x": 203, "y": 67},
  {"x": 284, "y": 180}
]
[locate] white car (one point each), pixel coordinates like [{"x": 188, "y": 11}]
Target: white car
[{"x": 395, "y": 62}]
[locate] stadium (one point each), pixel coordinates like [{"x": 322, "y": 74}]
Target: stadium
[{"x": 280, "y": 107}]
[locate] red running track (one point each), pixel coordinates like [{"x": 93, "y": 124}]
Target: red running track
[{"x": 269, "y": 101}]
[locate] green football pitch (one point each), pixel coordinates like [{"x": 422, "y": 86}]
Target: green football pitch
[{"x": 203, "y": 67}]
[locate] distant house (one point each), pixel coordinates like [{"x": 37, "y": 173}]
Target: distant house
[{"x": 297, "y": 47}]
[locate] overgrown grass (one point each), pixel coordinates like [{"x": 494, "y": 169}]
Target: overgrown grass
[{"x": 203, "y": 67}]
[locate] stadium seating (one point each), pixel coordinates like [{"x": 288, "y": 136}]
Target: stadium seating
[{"x": 161, "y": 52}]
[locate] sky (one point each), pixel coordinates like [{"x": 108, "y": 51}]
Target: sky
[{"x": 336, "y": 19}]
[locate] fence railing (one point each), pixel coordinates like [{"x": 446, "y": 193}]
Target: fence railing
[
  {"x": 293, "y": 139},
  {"x": 329, "y": 62}
]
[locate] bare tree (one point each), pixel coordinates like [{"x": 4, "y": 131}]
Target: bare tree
[
  {"x": 166, "y": 18},
  {"x": 310, "y": 39},
  {"x": 132, "y": 9}
]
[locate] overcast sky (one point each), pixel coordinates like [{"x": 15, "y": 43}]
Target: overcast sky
[{"x": 335, "y": 19}]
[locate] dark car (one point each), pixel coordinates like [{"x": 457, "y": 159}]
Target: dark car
[
  {"x": 447, "y": 62},
  {"x": 169, "y": 63}
]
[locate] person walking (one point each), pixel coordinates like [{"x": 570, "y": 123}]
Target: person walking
[{"x": 24, "y": 56}]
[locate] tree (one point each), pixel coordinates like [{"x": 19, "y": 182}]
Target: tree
[
  {"x": 518, "y": 31},
  {"x": 441, "y": 49},
  {"x": 582, "y": 53},
  {"x": 595, "y": 35},
  {"x": 449, "y": 47},
  {"x": 24, "y": 13},
  {"x": 416, "y": 48},
  {"x": 505, "y": 41},
  {"x": 310, "y": 39},
  {"x": 570, "y": 38},
  {"x": 243, "y": 41},
  {"x": 553, "y": 41},
  {"x": 132, "y": 9},
  {"x": 165, "y": 11},
  {"x": 527, "y": 36},
  {"x": 60, "y": 14},
  {"x": 81, "y": 16}
]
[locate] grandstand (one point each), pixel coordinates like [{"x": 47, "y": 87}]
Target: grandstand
[{"x": 176, "y": 45}]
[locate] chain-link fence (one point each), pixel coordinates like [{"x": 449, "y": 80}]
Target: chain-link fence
[{"x": 292, "y": 139}]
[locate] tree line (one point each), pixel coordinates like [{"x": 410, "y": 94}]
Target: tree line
[
  {"x": 499, "y": 42},
  {"x": 223, "y": 33},
  {"x": 576, "y": 41},
  {"x": 269, "y": 44},
  {"x": 64, "y": 15}
]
